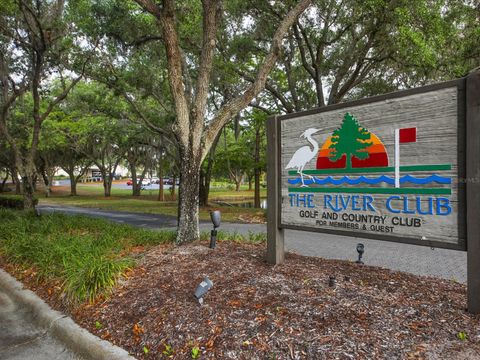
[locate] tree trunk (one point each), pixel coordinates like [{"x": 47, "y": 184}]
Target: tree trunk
[
  {"x": 73, "y": 185},
  {"x": 28, "y": 192},
  {"x": 250, "y": 183},
  {"x": 44, "y": 177},
  {"x": 4, "y": 181},
  {"x": 256, "y": 200},
  {"x": 256, "y": 196},
  {"x": 50, "y": 176},
  {"x": 34, "y": 182},
  {"x": 136, "y": 185},
  {"x": 237, "y": 178},
  {"x": 18, "y": 187},
  {"x": 70, "y": 170},
  {"x": 188, "y": 229},
  {"x": 107, "y": 185},
  {"x": 172, "y": 189},
  {"x": 48, "y": 188},
  {"x": 207, "y": 176},
  {"x": 14, "y": 177},
  {"x": 161, "y": 192},
  {"x": 202, "y": 189},
  {"x": 73, "y": 180},
  {"x": 140, "y": 181}
]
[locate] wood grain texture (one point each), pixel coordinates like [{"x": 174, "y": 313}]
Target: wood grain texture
[{"x": 440, "y": 127}]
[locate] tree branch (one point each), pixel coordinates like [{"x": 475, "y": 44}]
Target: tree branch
[
  {"x": 303, "y": 56},
  {"x": 211, "y": 17},
  {"x": 234, "y": 106},
  {"x": 166, "y": 16},
  {"x": 286, "y": 104}
]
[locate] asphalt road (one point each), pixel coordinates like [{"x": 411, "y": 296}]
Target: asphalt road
[{"x": 419, "y": 260}]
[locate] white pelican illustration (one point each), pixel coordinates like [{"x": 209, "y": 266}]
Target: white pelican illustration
[{"x": 303, "y": 155}]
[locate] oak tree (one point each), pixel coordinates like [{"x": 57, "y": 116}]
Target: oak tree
[{"x": 194, "y": 127}]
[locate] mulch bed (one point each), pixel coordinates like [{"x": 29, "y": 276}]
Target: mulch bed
[{"x": 289, "y": 311}]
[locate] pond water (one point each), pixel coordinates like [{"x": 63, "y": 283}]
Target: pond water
[
  {"x": 117, "y": 185},
  {"x": 64, "y": 182},
  {"x": 243, "y": 204}
]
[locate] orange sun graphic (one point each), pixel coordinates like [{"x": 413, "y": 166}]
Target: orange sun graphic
[{"x": 377, "y": 156}]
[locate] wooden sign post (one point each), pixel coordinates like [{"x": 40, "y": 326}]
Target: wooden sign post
[
  {"x": 473, "y": 191},
  {"x": 402, "y": 167},
  {"x": 275, "y": 237}
]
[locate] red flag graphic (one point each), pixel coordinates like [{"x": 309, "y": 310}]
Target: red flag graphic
[{"x": 408, "y": 135}]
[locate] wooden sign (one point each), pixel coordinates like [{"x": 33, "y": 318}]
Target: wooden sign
[{"x": 390, "y": 167}]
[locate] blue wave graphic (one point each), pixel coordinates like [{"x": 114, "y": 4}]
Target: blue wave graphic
[{"x": 372, "y": 181}]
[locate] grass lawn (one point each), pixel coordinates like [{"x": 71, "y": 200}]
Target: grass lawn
[{"x": 91, "y": 195}]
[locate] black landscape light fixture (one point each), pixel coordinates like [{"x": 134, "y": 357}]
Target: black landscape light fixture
[
  {"x": 360, "y": 250},
  {"x": 202, "y": 289},
  {"x": 215, "y": 216}
]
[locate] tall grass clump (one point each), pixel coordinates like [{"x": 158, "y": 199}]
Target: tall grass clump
[
  {"x": 86, "y": 277},
  {"x": 88, "y": 255}
]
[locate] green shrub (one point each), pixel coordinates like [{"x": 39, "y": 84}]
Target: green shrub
[{"x": 13, "y": 201}]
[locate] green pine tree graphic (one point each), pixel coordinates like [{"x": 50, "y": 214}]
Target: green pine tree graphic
[{"x": 350, "y": 139}]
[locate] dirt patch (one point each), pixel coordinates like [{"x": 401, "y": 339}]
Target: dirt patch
[{"x": 257, "y": 311}]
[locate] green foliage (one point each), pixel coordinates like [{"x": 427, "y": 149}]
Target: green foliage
[
  {"x": 87, "y": 254},
  {"x": 196, "y": 352},
  {"x": 352, "y": 49},
  {"x": 13, "y": 201},
  {"x": 145, "y": 350},
  {"x": 462, "y": 336},
  {"x": 168, "y": 350},
  {"x": 98, "y": 324},
  {"x": 257, "y": 238},
  {"x": 234, "y": 156},
  {"x": 350, "y": 140}
]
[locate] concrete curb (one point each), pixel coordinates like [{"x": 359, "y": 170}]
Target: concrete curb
[{"x": 62, "y": 327}]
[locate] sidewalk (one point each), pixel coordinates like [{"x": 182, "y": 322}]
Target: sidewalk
[
  {"x": 21, "y": 339},
  {"x": 31, "y": 330}
]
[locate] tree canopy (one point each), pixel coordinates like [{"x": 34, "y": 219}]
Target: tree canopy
[{"x": 145, "y": 83}]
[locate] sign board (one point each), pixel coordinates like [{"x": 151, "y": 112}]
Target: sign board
[
  {"x": 390, "y": 167},
  {"x": 401, "y": 167}
]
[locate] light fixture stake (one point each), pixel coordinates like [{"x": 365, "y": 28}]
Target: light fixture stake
[
  {"x": 360, "y": 250},
  {"x": 216, "y": 217}
]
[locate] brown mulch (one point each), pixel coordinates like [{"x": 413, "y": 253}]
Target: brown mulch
[{"x": 259, "y": 311}]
